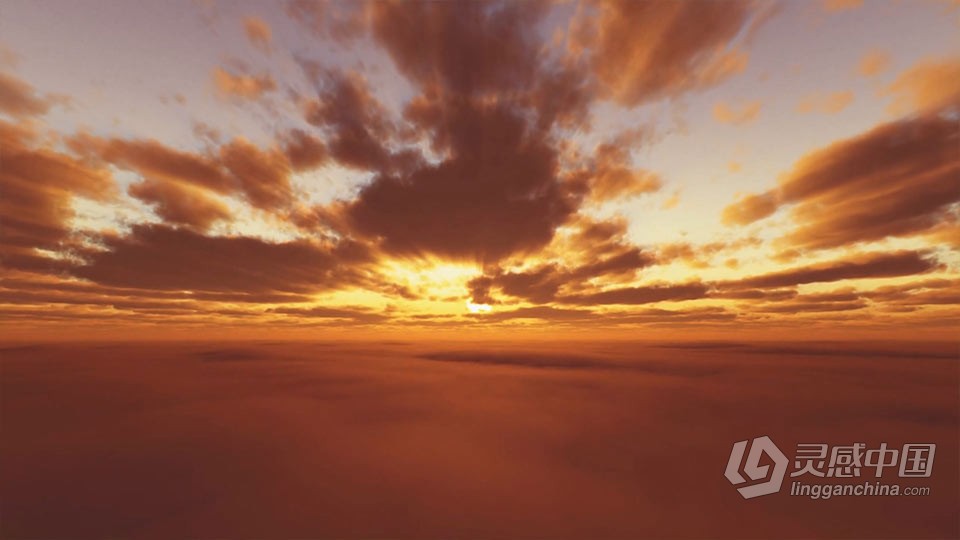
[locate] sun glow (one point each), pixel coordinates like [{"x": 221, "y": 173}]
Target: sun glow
[
  {"x": 478, "y": 308},
  {"x": 435, "y": 278}
]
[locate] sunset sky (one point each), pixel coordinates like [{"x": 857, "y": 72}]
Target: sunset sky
[{"x": 632, "y": 168}]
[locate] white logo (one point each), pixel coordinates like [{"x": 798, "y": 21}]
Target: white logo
[{"x": 755, "y": 471}]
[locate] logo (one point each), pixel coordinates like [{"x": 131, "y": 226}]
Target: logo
[
  {"x": 836, "y": 470},
  {"x": 754, "y": 471}
]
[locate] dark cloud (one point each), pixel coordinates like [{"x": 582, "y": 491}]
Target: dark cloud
[
  {"x": 898, "y": 179},
  {"x": 640, "y": 295},
  {"x": 180, "y": 203},
  {"x": 598, "y": 238},
  {"x": 754, "y": 294},
  {"x": 262, "y": 176},
  {"x": 491, "y": 186},
  {"x": 491, "y": 96},
  {"x": 553, "y": 360},
  {"x": 161, "y": 258},
  {"x": 541, "y": 284},
  {"x": 304, "y": 151},
  {"x": 75, "y": 291},
  {"x": 151, "y": 158},
  {"x": 358, "y": 125},
  {"x": 588, "y": 318},
  {"x": 919, "y": 293},
  {"x": 600, "y": 250},
  {"x": 810, "y": 307},
  {"x": 882, "y": 349},
  {"x": 469, "y": 48},
  {"x": 869, "y": 265},
  {"x": 495, "y": 195}
]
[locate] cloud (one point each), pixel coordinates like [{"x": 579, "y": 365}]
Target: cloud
[
  {"x": 258, "y": 32},
  {"x": 495, "y": 182},
  {"x": 642, "y": 51},
  {"x": 861, "y": 266},
  {"x": 873, "y": 63},
  {"x": 700, "y": 255},
  {"x": 936, "y": 291},
  {"x": 243, "y": 86},
  {"x": 671, "y": 202},
  {"x": 545, "y": 313},
  {"x": 793, "y": 303},
  {"x": 39, "y": 289},
  {"x": 582, "y": 317},
  {"x": 38, "y": 184},
  {"x": 753, "y": 294},
  {"x": 304, "y": 151},
  {"x": 727, "y": 114},
  {"x": 180, "y": 203},
  {"x": 612, "y": 177},
  {"x": 260, "y": 176},
  {"x": 834, "y": 6},
  {"x": 897, "y": 179},
  {"x": 495, "y": 194},
  {"x": 532, "y": 360},
  {"x": 206, "y": 132},
  {"x": 19, "y": 99},
  {"x": 932, "y": 84},
  {"x": 542, "y": 284},
  {"x": 810, "y": 307},
  {"x": 826, "y": 103},
  {"x": 357, "y": 122},
  {"x": 575, "y": 446},
  {"x": 640, "y": 295},
  {"x": 359, "y": 315},
  {"x": 484, "y": 154},
  {"x": 749, "y": 208},
  {"x": 467, "y": 48},
  {"x": 947, "y": 232},
  {"x": 157, "y": 257},
  {"x": 151, "y": 158},
  {"x": 601, "y": 250}
]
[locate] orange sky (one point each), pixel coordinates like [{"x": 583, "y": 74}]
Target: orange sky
[{"x": 570, "y": 169}]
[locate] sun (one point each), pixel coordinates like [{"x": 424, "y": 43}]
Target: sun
[{"x": 478, "y": 308}]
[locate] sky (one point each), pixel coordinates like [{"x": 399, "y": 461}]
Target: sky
[{"x": 638, "y": 169}]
